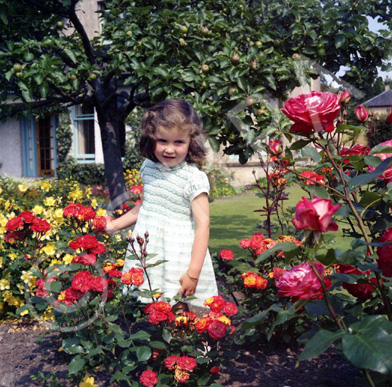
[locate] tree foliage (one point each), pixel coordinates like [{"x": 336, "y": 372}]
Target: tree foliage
[{"x": 224, "y": 57}]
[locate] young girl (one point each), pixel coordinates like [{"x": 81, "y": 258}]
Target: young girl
[{"x": 174, "y": 207}]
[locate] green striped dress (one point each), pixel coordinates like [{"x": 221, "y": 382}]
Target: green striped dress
[{"x": 166, "y": 215}]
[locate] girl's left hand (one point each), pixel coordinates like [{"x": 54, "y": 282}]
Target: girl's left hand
[{"x": 188, "y": 285}]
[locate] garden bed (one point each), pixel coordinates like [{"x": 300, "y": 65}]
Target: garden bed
[{"x": 25, "y": 350}]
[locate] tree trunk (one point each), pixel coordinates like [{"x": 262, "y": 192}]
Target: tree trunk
[{"x": 112, "y": 157}]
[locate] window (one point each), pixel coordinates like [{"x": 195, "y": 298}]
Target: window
[{"x": 84, "y": 137}]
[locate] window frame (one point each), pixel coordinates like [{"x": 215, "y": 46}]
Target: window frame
[{"x": 82, "y": 158}]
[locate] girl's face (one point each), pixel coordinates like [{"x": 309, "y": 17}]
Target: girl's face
[{"x": 171, "y": 146}]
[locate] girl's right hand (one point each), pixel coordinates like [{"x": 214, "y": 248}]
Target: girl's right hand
[{"x": 110, "y": 228}]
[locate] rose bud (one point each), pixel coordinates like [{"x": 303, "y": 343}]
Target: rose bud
[
  {"x": 345, "y": 97},
  {"x": 275, "y": 147},
  {"x": 360, "y": 113}
]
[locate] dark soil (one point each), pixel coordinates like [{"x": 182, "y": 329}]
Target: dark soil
[{"x": 25, "y": 350}]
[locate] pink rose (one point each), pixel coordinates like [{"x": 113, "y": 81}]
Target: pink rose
[
  {"x": 170, "y": 362},
  {"x": 385, "y": 253},
  {"x": 315, "y": 215},
  {"x": 186, "y": 363},
  {"x": 227, "y": 255},
  {"x": 301, "y": 282},
  {"x": 316, "y": 111},
  {"x": 360, "y": 113},
  {"x": 148, "y": 378}
]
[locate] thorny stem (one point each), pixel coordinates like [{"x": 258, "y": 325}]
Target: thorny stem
[
  {"x": 362, "y": 226},
  {"x": 335, "y": 316}
]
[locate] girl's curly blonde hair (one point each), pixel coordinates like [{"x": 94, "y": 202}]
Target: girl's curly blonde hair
[{"x": 173, "y": 113}]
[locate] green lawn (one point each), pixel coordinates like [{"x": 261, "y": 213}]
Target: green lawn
[{"x": 234, "y": 218}]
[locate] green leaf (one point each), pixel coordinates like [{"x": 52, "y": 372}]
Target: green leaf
[
  {"x": 369, "y": 198},
  {"x": 4, "y": 19},
  {"x": 319, "y": 191},
  {"x": 380, "y": 149},
  {"x": 157, "y": 344},
  {"x": 71, "y": 55},
  {"x": 339, "y": 40},
  {"x": 366, "y": 178},
  {"x": 369, "y": 345},
  {"x": 373, "y": 161},
  {"x": 140, "y": 335},
  {"x": 319, "y": 343},
  {"x": 28, "y": 56},
  {"x": 299, "y": 144},
  {"x": 283, "y": 246},
  {"x": 214, "y": 143},
  {"x": 311, "y": 152},
  {"x": 76, "y": 364},
  {"x": 166, "y": 335},
  {"x": 143, "y": 353}
]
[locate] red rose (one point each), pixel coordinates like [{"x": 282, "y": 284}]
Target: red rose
[
  {"x": 363, "y": 291},
  {"x": 186, "y": 363},
  {"x": 82, "y": 281},
  {"x": 230, "y": 309},
  {"x": 135, "y": 276},
  {"x": 358, "y": 149},
  {"x": 360, "y": 113},
  {"x": 163, "y": 307},
  {"x": 217, "y": 304},
  {"x": 316, "y": 111},
  {"x": 149, "y": 308},
  {"x": 148, "y": 378},
  {"x": 98, "y": 284},
  {"x": 27, "y": 216},
  {"x": 228, "y": 255},
  {"x": 385, "y": 253},
  {"x": 72, "y": 210},
  {"x": 40, "y": 226},
  {"x": 202, "y": 324},
  {"x": 312, "y": 178},
  {"x": 170, "y": 362},
  {"x": 115, "y": 274},
  {"x": 99, "y": 223},
  {"x": 86, "y": 213},
  {"x": 86, "y": 259},
  {"x": 14, "y": 236},
  {"x": 155, "y": 317},
  {"x": 315, "y": 215},
  {"x": 15, "y": 224},
  {"x": 214, "y": 370},
  {"x": 244, "y": 243},
  {"x": 301, "y": 282},
  {"x": 217, "y": 330},
  {"x": 70, "y": 296},
  {"x": 257, "y": 241}
]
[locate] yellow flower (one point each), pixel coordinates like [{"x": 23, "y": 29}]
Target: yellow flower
[
  {"x": 12, "y": 256},
  {"x": 38, "y": 210},
  {"x": 49, "y": 249},
  {"x": 45, "y": 186},
  {"x": 22, "y": 187},
  {"x": 4, "y": 284},
  {"x": 49, "y": 202},
  {"x": 88, "y": 382},
  {"x": 101, "y": 212},
  {"x": 48, "y": 314},
  {"x": 26, "y": 311},
  {"x": 58, "y": 215},
  {"x": 87, "y": 192},
  {"x": 225, "y": 320},
  {"x": 68, "y": 259},
  {"x": 55, "y": 262},
  {"x": 75, "y": 195},
  {"x": 28, "y": 278},
  {"x": 118, "y": 237},
  {"x": 94, "y": 203}
]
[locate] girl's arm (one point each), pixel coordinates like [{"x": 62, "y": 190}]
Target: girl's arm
[
  {"x": 201, "y": 216},
  {"x": 124, "y": 221}
]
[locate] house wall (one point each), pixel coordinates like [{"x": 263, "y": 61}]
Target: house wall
[{"x": 10, "y": 149}]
